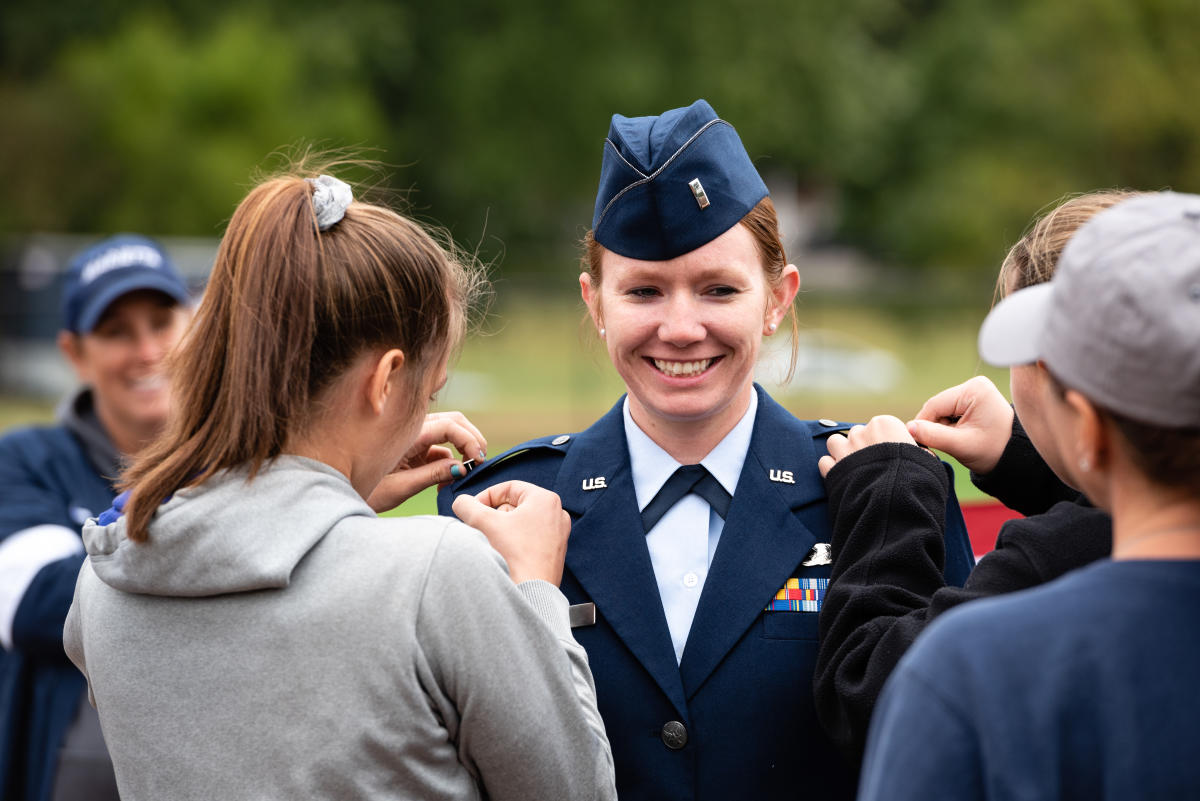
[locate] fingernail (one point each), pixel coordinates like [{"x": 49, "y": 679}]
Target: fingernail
[
  {"x": 482, "y": 454},
  {"x": 456, "y": 471}
]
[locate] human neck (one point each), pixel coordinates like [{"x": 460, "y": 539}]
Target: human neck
[
  {"x": 689, "y": 441},
  {"x": 336, "y": 446},
  {"x": 1153, "y": 523}
]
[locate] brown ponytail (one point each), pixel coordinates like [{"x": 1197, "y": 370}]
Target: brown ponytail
[{"x": 288, "y": 308}]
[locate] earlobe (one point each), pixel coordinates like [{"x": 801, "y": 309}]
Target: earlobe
[{"x": 1091, "y": 434}]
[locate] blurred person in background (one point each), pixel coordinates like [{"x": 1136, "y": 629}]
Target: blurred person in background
[
  {"x": 1082, "y": 687},
  {"x": 699, "y": 547},
  {"x": 249, "y": 626},
  {"x": 880, "y": 598},
  {"x": 124, "y": 308}
]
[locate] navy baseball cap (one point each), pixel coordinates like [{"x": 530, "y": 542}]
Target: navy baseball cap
[
  {"x": 117, "y": 266},
  {"x": 672, "y": 183}
]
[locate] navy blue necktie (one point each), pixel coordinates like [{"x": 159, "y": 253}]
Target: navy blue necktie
[{"x": 689, "y": 478}]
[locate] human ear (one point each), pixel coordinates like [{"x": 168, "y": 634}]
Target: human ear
[
  {"x": 1092, "y": 443},
  {"x": 384, "y": 377},
  {"x": 781, "y": 296},
  {"x": 71, "y": 345},
  {"x": 591, "y": 298}
]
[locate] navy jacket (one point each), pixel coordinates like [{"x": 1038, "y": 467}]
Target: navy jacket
[
  {"x": 735, "y": 718},
  {"x": 46, "y": 478}
]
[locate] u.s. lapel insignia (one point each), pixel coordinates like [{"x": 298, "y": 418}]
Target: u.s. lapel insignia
[
  {"x": 819, "y": 555},
  {"x": 782, "y": 476},
  {"x": 595, "y": 483}
]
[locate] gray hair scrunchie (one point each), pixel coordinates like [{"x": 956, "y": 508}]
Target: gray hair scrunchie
[{"x": 330, "y": 199}]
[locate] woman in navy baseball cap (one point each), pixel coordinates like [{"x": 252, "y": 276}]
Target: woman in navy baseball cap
[
  {"x": 124, "y": 309},
  {"x": 699, "y": 555}
]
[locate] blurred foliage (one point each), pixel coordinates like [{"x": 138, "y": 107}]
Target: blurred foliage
[{"x": 937, "y": 128}]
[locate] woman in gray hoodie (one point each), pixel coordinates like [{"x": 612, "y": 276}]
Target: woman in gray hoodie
[{"x": 248, "y": 626}]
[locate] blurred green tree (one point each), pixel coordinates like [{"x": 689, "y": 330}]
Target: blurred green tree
[{"x": 936, "y": 128}]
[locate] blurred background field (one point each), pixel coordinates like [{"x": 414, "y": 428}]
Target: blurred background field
[{"x": 907, "y": 144}]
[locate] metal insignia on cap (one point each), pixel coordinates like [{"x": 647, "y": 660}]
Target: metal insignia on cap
[{"x": 698, "y": 191}]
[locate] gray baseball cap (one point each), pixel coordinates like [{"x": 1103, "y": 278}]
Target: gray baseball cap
[{"x": 1120, "y": 321}]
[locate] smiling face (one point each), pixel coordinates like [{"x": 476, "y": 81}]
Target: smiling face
[
  {"x": 684, "y": 334},
  {"x": 122, "y": 360}
]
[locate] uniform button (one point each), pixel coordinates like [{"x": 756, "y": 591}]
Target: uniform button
[
  {"x": 674, "y": 735},
  {"x": 825, "y": 421},
  {"x": 690, "y": 580},
  {"x": 561, "y": 439}
]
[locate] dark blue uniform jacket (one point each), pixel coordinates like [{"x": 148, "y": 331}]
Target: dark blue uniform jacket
[
  {"x": 742, "y": 694},
  {"x": 46, "y": 477}
]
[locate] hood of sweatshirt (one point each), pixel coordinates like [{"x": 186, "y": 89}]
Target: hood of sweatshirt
[{"x": 228, "y": 534}]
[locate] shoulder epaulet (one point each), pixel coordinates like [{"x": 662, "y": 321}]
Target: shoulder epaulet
[
  {"x": 553, "y": 446},
  {"x": 824, "y": 427}
]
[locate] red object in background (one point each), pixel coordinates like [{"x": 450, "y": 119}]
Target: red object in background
[{"x": 984, "y": 519}]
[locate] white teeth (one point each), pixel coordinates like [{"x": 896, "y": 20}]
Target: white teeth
[
  {"x": 686, "y": 369},
  {"x": 150, "y": 382}
]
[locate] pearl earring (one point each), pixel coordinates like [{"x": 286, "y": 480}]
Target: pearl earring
[
  {"x": 771, "y": 327},
  {"x": 602, "y": 333}
]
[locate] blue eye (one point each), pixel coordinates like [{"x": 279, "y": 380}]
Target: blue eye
[{"x": 643, "y": 292}]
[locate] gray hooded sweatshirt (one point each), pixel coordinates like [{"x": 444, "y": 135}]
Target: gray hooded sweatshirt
[{"x": 275, "y": 639}]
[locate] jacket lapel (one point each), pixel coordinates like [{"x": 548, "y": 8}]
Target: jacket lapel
[
  {"x": 762, "y": 541},
  {"x": 607, "y": 551}
]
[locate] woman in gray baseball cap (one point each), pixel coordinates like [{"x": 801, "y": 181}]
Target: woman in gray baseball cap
[{"x": 1082, "y": 688}]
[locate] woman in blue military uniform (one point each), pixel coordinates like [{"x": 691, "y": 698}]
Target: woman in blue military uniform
[{"x": 698, "y": 557}]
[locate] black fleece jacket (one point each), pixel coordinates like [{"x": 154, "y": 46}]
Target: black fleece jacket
[{"x": 886, "y": 585}]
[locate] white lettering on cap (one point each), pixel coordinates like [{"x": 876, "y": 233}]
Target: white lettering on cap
[{"x": 124, "y": 256}]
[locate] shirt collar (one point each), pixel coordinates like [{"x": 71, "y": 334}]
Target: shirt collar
[{"x": 651, "y": 466}]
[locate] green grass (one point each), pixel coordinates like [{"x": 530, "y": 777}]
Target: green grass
[{"x": 536, "y": 369}]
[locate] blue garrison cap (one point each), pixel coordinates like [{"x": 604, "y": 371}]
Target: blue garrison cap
[
  {"x": 110, "y": 269},
  {"x": 672, "y": 183}
]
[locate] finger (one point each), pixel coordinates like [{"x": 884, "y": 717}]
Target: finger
[
  {"x": 855, "y": 436},
  {"x": 838, "y": 446},
  {"x": 886, "y": 428},
  {"x": 936, "y": 435},
  {"x": 471, "y": 511},
  {"x": 396, "y": 488},
  {"x": 945, "y": 406},
  {"x": 513, "y": 493},
  {"x": 436, "y": 453},
  {"x": 455, "y": 428},
  {"x": 825, "y": 464}
]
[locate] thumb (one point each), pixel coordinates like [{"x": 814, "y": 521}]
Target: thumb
[
  {"x": 471, "y": 511},
  {"x": 935, "y": 435}
]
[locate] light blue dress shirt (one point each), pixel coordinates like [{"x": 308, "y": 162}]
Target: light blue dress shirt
[{"x": 683, "y": 542}]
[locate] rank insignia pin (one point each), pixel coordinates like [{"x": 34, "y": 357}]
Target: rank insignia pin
[{"x": 699, "y": 193}]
